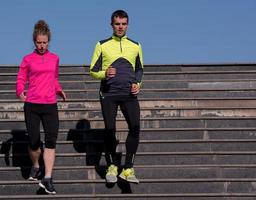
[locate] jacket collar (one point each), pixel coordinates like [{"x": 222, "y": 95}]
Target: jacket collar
[
  {"x": 36, "y": 52},
  {"x": 118, "y": 38}
]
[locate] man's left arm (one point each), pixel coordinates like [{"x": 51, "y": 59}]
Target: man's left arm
[{"x": 139, "y": 67}]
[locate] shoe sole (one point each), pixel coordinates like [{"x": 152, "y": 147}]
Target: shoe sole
[
  {"x": 47, "y": 191},
  {"x": 136, "y": 182},
  {"x": 32, "y": 179},
  {"x": 111, "y": 181},
  {"x": 114, "y": 181},
  {"x": 130, "y": 181}
]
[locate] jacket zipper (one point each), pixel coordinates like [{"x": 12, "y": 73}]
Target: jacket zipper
[{"x": 121, "y": 46}]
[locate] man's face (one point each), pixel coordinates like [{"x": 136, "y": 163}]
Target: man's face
[{"x": 119, "y": 26}]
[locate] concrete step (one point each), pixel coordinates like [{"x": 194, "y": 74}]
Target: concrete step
[
  {"x": 162, "y": 67},
  {"x": 199, "y": 84},
  {"x": 204, "y": 103},
  {"x": 207, "y": 185},
  {"x": 182, "y": 75},
  {"x": 89, "y": 144},
  {"x": 157, "y": 67},
  {"x": 74, "y": 84},
  {"x": 199, "y": 67},
  {"x": 71, "y": 113},
  {"x": 153, "y": 84},
  {"x": 190, "y": 93},
  {"x": 62, "y": 76},
  {"x": 156, "y": 93},
  {"x": 150, "y": 100},
  {"x": 142, "y": 158},
  {"x": 161, "y": 122},
  {"x": 141, "y": 196},
  {"x": 199, "y": 75},
  {"x": 146, "y": 134},
  {"x": 144, "y": 90},
  {"x": 142, "y": 171},
  {"x": 164, "y": 79},
  {"x": 62, "y": 68}
]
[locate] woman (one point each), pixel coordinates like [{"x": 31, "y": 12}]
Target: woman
[{"x": 40, "y": 70}]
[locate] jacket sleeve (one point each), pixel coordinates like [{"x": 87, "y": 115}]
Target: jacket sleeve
[
  {"x": 22, "y": 77},
  {"x": 139, "y": 67},
  {"x": 58, "y": 87},
  {"x": 96, "y": 63}
]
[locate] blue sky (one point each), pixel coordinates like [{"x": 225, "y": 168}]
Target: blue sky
[{"x": 170, "y": 31}]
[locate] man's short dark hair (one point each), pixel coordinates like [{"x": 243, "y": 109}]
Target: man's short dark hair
[{"x": 119, "y": 13}]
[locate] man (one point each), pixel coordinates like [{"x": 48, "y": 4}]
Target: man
[{"x": 117, "y": 62}]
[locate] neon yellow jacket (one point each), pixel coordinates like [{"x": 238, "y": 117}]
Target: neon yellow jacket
[{"x": 123, "y": 54}]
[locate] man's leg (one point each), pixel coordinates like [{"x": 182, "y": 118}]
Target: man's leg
[
  {"x": 131, "y": 111},
  {"x": 109, "y": 111}
]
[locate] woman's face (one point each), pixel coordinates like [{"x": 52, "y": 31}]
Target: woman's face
[{"x": 41, "y": 43}]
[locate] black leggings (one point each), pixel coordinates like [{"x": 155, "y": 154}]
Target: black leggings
[
  {"x": 48, "y": 114},
  {"x": 130, "y": 108}
]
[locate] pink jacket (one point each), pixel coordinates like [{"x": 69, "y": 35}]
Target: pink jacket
[{"x": 41, "y": 73}]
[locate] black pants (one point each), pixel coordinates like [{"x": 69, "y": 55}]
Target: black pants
[
  {"x": 130, "y": 108},
  {"x": 48, "y": 114}
]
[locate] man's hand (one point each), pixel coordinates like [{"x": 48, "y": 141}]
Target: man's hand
[
  {"x": 135, "y": 89},
  {"x": 110, "y": 72}
]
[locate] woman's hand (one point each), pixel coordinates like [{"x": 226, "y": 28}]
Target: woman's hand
[
  {"x": 62, "y": 95},
  {"x": 22, "y": 97}
]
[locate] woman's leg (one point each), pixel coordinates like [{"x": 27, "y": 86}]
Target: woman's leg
[
  {"x": 50, "y": 121},
  {"x": 32, "y": 120}
]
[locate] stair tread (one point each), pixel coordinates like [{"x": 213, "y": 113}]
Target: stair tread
[
  {"x": 148, "y": 99},
  {"x": 158, "y": 180},
  {"x": 161, "y": 129},
  {"x": 136, "y": 195},
  {"x": 149, "y": 108},
  {"x": 184, "y": 166},
  {"x": 181, "y": 118},
  {"x": 152, "y": 153},
  {"x": 194, "y": 141},
  {"x": 86, "y": 73},
  {"x": 156, "y": 90}
]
